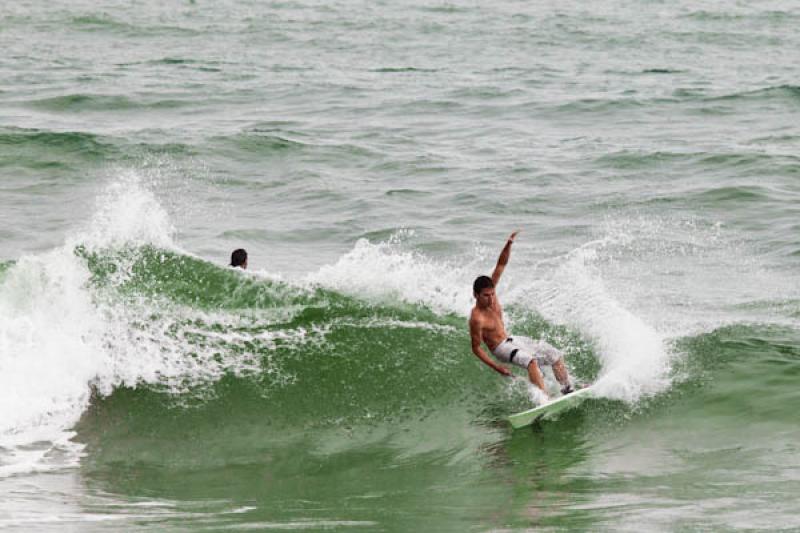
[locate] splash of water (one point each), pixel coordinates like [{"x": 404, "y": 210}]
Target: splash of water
[
  {"x": 385, "y": 271},
  {"x": 635, "y": 357},
  {"x": 59, "y": 332}
]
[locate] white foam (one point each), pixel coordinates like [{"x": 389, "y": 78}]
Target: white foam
[
  {"x": 50, "y": 346},
  {"x": 385, "y": 271},
  {"x": 635, "y": 357},
  {"x": 59, "y": 333}
]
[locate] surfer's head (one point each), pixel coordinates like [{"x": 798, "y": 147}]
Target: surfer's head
[
  {"x": 239, "y": 258},
  {"x": 483, "y": 289}
]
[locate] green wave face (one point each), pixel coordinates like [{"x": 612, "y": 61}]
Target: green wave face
[
  {"x": 349, "y": 407},
  {"x": 319, "y": 357},
  {"x": 371, "y": 400}
]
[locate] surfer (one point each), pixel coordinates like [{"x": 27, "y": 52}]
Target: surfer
[
  {"x": 239, "y": 258},
  {"x": 486, "y": 325}
]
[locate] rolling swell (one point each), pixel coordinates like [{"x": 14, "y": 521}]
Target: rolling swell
[
  {"x": 35, "y": 142},
  {"x": 261, "y": 142},
  {"x": 348, "y": 396},
  {"x": 58, "y": 150},
  {"x": 104, "y": 23},
  {"x": 36, "y": 152},
  {"x": 277, "y": 141},
  {"x": 785, "y": 95},
  {"x": 78, "y": 103},
  {"x": 781, "y": 93},
  {"x": 740, "y": 162}
]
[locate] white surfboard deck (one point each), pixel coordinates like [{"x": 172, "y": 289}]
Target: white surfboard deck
[{"x": 562, "y": 403}]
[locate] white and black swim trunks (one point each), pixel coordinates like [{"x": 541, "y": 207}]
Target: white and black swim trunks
[{"x": 522, "y": 351}]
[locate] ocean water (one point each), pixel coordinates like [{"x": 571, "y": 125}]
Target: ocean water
[{"x": 372, "y": 157}]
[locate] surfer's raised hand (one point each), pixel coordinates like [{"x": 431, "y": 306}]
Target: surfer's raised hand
[{"x": 502, "y": 261}]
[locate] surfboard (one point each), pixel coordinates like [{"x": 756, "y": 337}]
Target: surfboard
[{"x": 551, "y": 408}]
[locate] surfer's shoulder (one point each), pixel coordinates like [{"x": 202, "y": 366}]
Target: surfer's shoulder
[{"x": 475, "y": 317}]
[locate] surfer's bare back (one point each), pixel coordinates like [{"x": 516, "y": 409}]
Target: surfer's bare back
[{"x": 486, "y": 326}]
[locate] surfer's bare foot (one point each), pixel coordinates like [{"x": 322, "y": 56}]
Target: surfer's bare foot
[{"x": 567, "y": 389}]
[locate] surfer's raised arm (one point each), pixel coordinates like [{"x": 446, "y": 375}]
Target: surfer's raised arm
[
  {"x": 502, "y": 261},
  {"x": 477, "y": 339}
]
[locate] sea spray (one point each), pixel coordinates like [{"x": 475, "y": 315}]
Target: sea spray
[
  {"x": 386, "y": 271},
  {"x": 69, "y": 326},
  {"x": 635, "y": 359}
]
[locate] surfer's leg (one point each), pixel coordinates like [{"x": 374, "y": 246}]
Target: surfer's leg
[
  {"x": 560, "y": 372},
  {"x": 547, "y": 354},
  {"x": 535, "y": 375}
]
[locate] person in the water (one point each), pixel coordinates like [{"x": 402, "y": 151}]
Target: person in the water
[
  {"x": 239, "y": 258},
  {"x": 486, "y": 325}
]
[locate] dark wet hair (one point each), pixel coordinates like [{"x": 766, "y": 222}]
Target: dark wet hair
[
  {"x": 482, "y": 282},
  {"x": 238, "y": 257}
]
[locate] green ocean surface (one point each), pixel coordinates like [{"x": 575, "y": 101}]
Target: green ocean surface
[{"x": 372, "y": 157}]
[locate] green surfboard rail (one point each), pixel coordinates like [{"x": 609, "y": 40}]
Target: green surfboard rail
[{"x": 526, "y": 418}]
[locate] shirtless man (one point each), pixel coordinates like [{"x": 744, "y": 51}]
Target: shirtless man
[{"x": 486, "y": 325}]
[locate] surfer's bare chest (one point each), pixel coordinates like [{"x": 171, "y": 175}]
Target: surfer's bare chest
[{"x": 491, "y": 324}]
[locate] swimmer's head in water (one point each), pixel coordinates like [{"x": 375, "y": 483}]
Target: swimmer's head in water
[{"x": 239, "y": 258}]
